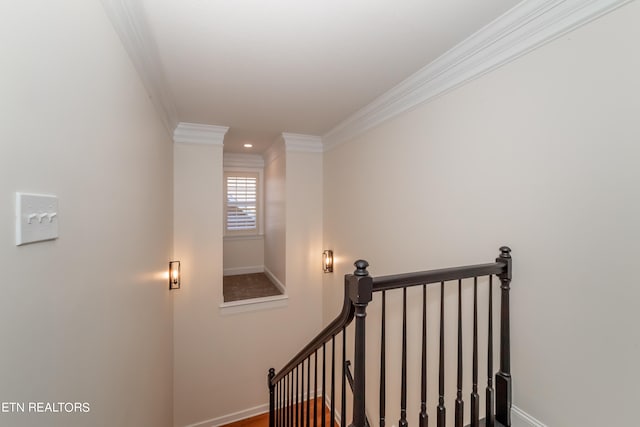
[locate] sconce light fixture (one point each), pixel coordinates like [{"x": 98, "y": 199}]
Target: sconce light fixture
[
  {"x": 327, "y": 261},
  {"x": 174, "y": 275}
]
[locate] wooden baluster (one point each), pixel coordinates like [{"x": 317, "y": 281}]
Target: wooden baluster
[
  {"x": 280, "y": 402},
  {"x": 383, "y": 400},
  {"x": 442, "y": 411},
  {"x": 275, "y": 407},
  {"x": 308, "y": 390},
  {"x": 272, "y": 398},
  {"x": 285, "y": 400},
  {"x": 343, "y": 403},
  {"x": 283, "y": 409},
  {"x": 475, "y": 398},
  {"x": 301, "y": 391},
  {"x": 297, "y": 392},
  {"x": 291, "y": 406},
  {"x": 333, "y": 383},
  {"x": 403, "y": 378},
  {"x": 360, "y": 286},
  {"x": 324, "y": 386},
  {"x": 490, "y": 416},
  {"x": 424, "y": 418},
  {"x": 503, "y": 378},
  {"x": 315, "y": 389},
  {"x": 459, "y": 419}
]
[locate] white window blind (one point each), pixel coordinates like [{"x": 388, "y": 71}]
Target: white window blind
[{"x": 241, "y": 210}]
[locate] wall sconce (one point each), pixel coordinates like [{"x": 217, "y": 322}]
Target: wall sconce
[
  {"x": 174, "y": 275},
  {"x": 327, "y": 261}
]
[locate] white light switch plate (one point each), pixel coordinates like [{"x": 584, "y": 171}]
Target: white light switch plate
[{"x": 36, "y": 218}]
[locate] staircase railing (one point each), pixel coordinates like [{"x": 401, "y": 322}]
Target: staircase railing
[{"x": 290, "y": 402}]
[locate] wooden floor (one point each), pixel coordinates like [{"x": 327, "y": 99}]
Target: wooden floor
[
  {"x": 257, "y": 421},
  {"x": 263, "y": 420}
]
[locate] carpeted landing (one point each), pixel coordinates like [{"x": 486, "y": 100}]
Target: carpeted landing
[{"x": 248, "y": 286}]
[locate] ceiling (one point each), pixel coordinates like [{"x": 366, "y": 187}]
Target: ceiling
[{"x": 267, "y": 67}]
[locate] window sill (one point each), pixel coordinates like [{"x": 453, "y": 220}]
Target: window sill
[
  {"x": 254, "y": 304},
  {"x": 245, "y": 237}
]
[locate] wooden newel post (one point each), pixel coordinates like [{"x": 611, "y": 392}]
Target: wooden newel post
[
  {"x": 503, "y": 378},
  {"x": 272, "y": 398},
  {"x": 360, "y": 286}
]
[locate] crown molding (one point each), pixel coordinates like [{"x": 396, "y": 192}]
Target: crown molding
[
  {"x": 128, "y": 19},
  {"x": 240, "y": 160},
  {"x": 195, "y": 133},
  {"x": 525, "y": 27},
  {"x": 296, "y": 142}
]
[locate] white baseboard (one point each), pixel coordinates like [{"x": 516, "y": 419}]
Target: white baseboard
[
  {"x": 327, "y": 404},
  {"x": 275, "y": 280},
  {"x": 232, "y": 418},
  {"x": 519, "y": 418},
  {"x": 243, "y": 270}
]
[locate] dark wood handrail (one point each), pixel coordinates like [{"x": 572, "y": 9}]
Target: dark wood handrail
[
  {"x": 384, "y": 283},
  {"x": 342, "y": 320},
  {"x": 358, "y": 291},
  {"x": 397, "y": 281}
]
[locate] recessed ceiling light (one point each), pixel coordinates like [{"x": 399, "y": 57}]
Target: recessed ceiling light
[{"x": 248, "y": 145}]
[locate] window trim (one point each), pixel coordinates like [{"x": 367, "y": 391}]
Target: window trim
[{"x": 259, "y": 202}]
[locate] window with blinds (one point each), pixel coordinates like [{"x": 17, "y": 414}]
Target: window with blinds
[{"x": 241, "y": 202}]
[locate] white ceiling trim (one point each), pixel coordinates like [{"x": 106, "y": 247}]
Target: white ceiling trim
[
  {"x": 128, "y": 19},
  {"x": 296, "y": 142},
  {"x": 196, "y": 133},
  {"x": 520, "y": 30},
  {"x": 240, "y": 160}
]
